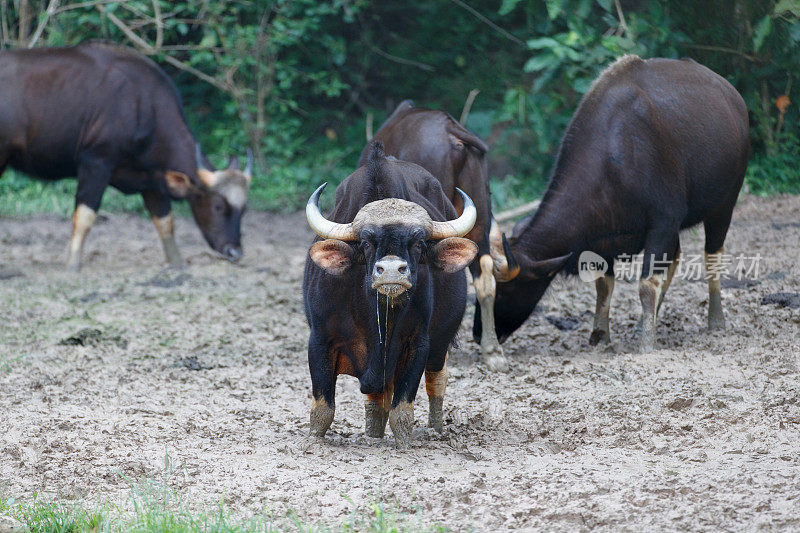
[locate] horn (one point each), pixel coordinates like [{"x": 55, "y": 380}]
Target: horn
[
  {"x": 512, "y": 268},
  {"x": 506, "y": 267},
  {"x": 321, "y": 225},
  {"x": 208, "y": 177},
  {"x": 248, "y": 168},
  {"x": 458, "y": 227},
  {"x": 198, "y": 153},
  {"x": 233, "y": 163}
]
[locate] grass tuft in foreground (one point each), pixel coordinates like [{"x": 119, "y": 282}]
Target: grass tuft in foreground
[{"x": 153, "y": 506}]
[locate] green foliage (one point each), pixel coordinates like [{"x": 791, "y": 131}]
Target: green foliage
[
  {"x": 294, "y": 79},
  {"x": 778, "y": 173}
]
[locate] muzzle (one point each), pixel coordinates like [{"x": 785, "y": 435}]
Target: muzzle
[
  {"x": 390, "y": 276},
  {"x": 232, "y": 253}
]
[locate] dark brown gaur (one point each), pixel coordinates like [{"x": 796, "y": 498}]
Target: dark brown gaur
[
  {"x": 384, "y": 293},
  {"x": 109, "y": 116},
  {"x": 654, "y": 147},
  {"x": 457, "y": 158}
]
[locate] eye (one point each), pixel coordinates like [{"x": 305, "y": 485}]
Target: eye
[
  {"x": 418, "y": 246},
  {"x": 219, "y": 206},
  {"x": 365, "y": 246}
]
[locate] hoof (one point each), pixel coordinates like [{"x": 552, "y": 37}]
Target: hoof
[
  {"x": 321, "y": 418},
  {"x": 401, "y": 420},
  {"x": 496, "y": 363},
  {"x": 599, "y": 336},
  {"x": 647, "y": 344},
  {"x": 435, "y": 414},
  {"x": 375, "y": 418},
  {"x": 716, "y": 324}
]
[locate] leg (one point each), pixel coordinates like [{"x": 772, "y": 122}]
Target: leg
[
  {"x": 93, "y": 177},
  {"x": 649, "y": 289},
  {"x": 82, "y": 221},
  {"x": 376, "y": 411},
  {"x": 401, "y": 420},
  {"x": 435, "y": 385},
  {"x": 602, "y": 331},
  {"x": 161, "y": 212},
  {"x": 716, "y": 318},
  {"x": 661, "y": 246},
  {"x": 485, "y": 290},
  {"x": 323, "y": 385},
  {"x": 401, "y": 415},
  {"x": 716, "y": 230},
  {"x": 670, "y": 273}
]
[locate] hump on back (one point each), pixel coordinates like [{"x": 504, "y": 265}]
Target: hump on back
[{"x": 456, "y": 157}]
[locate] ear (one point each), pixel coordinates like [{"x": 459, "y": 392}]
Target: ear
[
  {"x": 332, "y": 255},
  {"x": 178, "y": 183},
  {"x": 456, "y": 143},
  {"x": 545, "y": 268},
  {"x": 453, "y": 254}
]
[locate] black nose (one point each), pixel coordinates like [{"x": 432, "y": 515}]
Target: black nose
[{"x": 233, "y": 253}]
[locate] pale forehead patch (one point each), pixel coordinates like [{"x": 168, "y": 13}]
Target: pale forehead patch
[
  {"x": 236, "y": 195},
  {"x": 391, "y": 211},
  {"x": 233, "y": 188}
]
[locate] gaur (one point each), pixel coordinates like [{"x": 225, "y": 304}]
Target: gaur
[
  {"x": 109, "y": 116},
  {"x": 384, "y": 292},
  {"x": 655, "y": 146}
]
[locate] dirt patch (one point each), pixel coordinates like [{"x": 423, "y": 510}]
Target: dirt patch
[
  {"x": 783, "y": 299},
  {"x": 93, "y": 337},
  {"x": 701, "y": 434}
]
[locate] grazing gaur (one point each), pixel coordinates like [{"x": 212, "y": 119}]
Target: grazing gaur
[
  {"x": 457, "y": 158},
  {"x": 654, "y": 147},
  {"x": 384, "y": 293},
  {"x": 110, "y": 116}
]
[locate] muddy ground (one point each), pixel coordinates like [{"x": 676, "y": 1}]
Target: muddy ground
[{"x": 106, "y": 372}]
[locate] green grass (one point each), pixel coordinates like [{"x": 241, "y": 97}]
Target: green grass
[
  {"x": 21, "y": 195},
  {"x": 158, "y": 513},
  {"x": 281, "y": 189},
  {"x": 286, "y": 188},
  {"x": 154, "y": 506}
]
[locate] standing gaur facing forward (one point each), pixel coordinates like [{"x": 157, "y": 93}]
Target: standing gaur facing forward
[
  {"x": 457, "y": 158},
  {"x": 384, "y": 293},
  {"x": 655, "y": 146},
  {"x": 110, "y": 116}
]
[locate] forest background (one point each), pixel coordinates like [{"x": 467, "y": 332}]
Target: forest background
[{"x": 300, "y": 81}]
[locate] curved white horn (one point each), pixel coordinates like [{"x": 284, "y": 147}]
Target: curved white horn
[
  {"x": 198, "y": 153},
  {"x": 321, "y": 225},
  {"x": 248, "y": 168},
  {"x": 458, "y": 227},
  {"x": 506, "y": 267}
]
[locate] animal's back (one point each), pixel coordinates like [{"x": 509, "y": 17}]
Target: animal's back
[
  {"x": 685, "y": 105},
  {"x": 659, "y": 132},
  {"x": 56, "y": 101}
]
